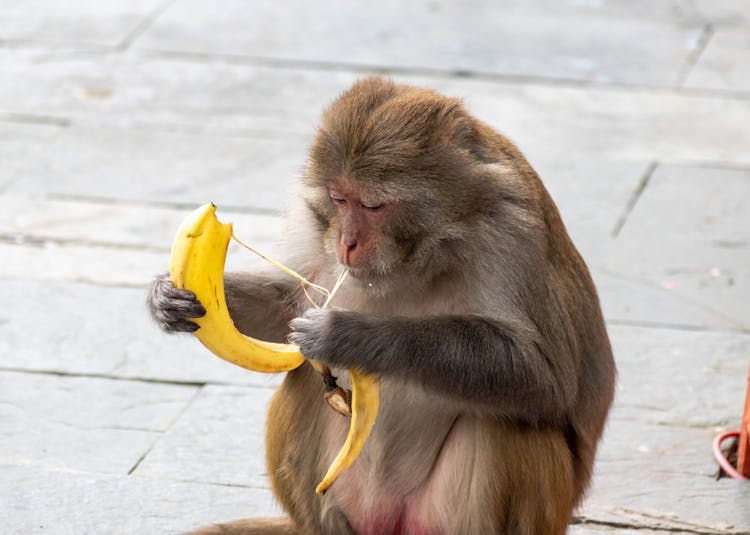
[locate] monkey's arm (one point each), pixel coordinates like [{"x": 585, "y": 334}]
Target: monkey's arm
[
  {"x": 490, "y": 364},
  {"x": 260, "y": 305}
]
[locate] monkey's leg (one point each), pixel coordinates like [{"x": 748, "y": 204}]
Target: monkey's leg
[{"x": 250, "y": 526}]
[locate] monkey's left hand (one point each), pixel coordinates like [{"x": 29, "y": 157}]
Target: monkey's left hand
[{"x": 335, "y": 337}]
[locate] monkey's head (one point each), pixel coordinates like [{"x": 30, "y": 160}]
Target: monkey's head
[{"x": 395, "y": 180}]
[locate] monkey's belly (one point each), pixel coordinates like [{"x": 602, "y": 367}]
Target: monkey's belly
[{"x": 409, "y": 486}]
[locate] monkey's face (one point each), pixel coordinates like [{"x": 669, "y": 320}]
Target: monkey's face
[{"x": 389, "y": 180}]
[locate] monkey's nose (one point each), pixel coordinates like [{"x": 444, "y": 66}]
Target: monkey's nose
[
  {"x": 349, "y": 252},
  {"x": 347, "y": 248}
]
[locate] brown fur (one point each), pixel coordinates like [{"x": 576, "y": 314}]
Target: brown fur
[{"x": 475, "y": 310}]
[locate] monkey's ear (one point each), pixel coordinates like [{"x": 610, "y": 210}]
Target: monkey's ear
[{"x": 466, "y": 132}]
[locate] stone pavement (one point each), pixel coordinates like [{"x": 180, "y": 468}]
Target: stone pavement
[{"x": 116, "y": 118}]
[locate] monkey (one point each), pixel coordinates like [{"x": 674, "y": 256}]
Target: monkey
[{"x": 465, "y": 296}]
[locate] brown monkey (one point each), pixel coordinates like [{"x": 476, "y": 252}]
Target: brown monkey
[{"x": 465, "y": 296}]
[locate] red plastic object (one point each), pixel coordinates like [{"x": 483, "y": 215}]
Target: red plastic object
[{"x": 743, "y": 450}]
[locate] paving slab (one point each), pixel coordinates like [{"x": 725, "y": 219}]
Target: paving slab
[
  {"x": 663, "y": 477},
  {"x": 87, "y": 22},
  {"x": 103, "y": 331},
  {"x": 58, "y": 245},
  {"x": 69, "y": 503},
  {"x": 168, "y": 93},
  {"x": 725, "y": 63},
  {"x": 591, "y": 196},
  {"x": 550, "y": 124},
  {"x": 594, "y": 528},
  {"x": 49, "y": 260},
  {"x": 677, "y": 377},
  {"x": 163, "y": 166},
  {"x": 601, "y": 42},
  {"x": 219, "y": 439},
  {"x": 19, "y": 145},
  {"x": 689, "y": 233},
  {"x": 83, "y": 424},
  {"x": 722, "y": 13},
  {"x": 628, "y": 299},
  {"x": 36, "y": 220}
]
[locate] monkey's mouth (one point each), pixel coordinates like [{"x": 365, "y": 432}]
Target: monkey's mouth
[{"x": 357, "y": 272}]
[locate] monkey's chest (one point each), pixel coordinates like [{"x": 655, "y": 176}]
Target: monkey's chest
[{"x": 404, "y": 481}]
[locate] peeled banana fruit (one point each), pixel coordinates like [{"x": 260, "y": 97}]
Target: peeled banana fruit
[{"x": 197, "y": 264}]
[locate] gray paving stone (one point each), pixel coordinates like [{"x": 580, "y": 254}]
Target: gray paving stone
[
  {"x": 119, "y": 404},
  {"x": 88, "y": 424},
  {"x": 660, "y": 477},
  {"x": 592, "y": 529},
  {"x": 600, "y": 42},
  {"x": 34, "y": 219},
  {"x": 19, "y": 145},
  {"x": 688, "y": 234},
  {"x": 723, "y": 13},
  {"x": 677, "y": 377},
  {"x": 642, "y": 301},
  {"x": 162, "y": 166},
  {"x": 66, "y": 503},
  {"x": 219, "y": 439},
  {"x": 554, "y": 123},
  {"x": 725, "y": 64},
  {"x": 89, "y": 329},
  {"x": 81, "y": 263},
  {"x": 65, "y": 254},
  {"x": 591, "y": 196},
  {"x": 168, "y": 93},
  {"x": 105, "y": 22}
]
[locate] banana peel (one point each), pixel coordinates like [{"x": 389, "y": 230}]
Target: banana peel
[
  {"x": 365, "y": 401},
  {"x": 197, "y": 264}
]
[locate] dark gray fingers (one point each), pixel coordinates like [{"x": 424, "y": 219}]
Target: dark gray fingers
[{"x": 172, "y": 308}]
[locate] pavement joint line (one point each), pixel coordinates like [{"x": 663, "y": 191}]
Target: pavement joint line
[
  {"x": 322, "y": 65},
  {"x": 80, "y": 280},
  {"x": 674, "y": 294},
  {"x": 710, "y": 164},
  {"x": 172, "y": 205},
  {"x": 691, "y": 61},
  {"x": 134, "y": 379},
  {"x": 584, "y": 521},
  {"x": 163, "y": 433},
  {"x": 28, "y": 118},
  {"x": 199, "y": 482},
  {"x": 31, "y": 240},
  {"x": 142, "y": 457},
  {"x": 105, "y": 122},
  {"x": 634, "y": 198},
  {"x": 434, "y": 72},
  {"x": 678, "y": 425},
  {"x": 676, "y": 326},
  {"x": 199, "y": 129},
  {"x": 144, "y": 25},
  {"x": 55, "y": 46},
  {"x": 181, "y": 413}
]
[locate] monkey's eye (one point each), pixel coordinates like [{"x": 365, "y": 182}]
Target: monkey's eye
[
  {"x": 372, "y": 206},
  {"x": 335, "y": 197}
]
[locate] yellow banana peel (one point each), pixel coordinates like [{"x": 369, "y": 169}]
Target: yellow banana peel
[
  {"x": 365, "y": 401},
  {"x": 197, "y": 264}
]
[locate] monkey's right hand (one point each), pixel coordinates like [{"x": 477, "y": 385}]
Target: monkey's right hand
[{"x": 172, "y": 308}]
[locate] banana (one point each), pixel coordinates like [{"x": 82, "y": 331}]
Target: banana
[
  {"x": 197, "y": 264},
  {"x": 365, "y": 401}
]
